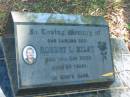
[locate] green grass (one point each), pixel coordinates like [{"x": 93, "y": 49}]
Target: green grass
[
  {"x": 2, "y": 15},
  {"x": 60, "y": 6},
  {"x": 129, "y": 26},
  {"x": 84, "y": 7}
]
